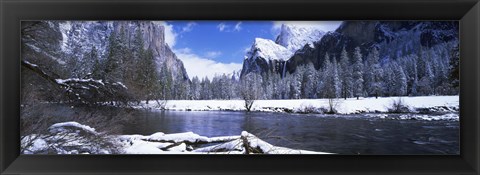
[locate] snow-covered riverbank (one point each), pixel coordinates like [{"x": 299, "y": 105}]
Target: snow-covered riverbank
[
  {"x": 349, "y": 106},
  {"x": 75, "y": 138}
]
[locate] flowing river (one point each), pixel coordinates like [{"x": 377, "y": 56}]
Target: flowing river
[{"x": 343, "y": 134}]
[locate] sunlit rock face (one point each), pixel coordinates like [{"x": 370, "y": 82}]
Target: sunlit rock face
[{"x": 267, "y": 55}]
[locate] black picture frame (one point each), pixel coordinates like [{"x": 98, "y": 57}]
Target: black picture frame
[{"x": 13, "y": 11}]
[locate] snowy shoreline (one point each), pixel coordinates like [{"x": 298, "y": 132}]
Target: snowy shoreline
[
  {"x": 75, "y": 138},
  {"x": 420, "y": 104}
]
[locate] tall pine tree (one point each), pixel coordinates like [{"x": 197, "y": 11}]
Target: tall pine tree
[{"x": 357, "y": 73}]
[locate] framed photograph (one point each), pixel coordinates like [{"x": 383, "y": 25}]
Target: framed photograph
[{"x": 252, "y": 87}]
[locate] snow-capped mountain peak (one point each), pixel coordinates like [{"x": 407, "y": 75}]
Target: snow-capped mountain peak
[
  {"x": 295, "y": 37},
  {"x": 266, "y": 54},
  {"x": 268, "y": 50}
]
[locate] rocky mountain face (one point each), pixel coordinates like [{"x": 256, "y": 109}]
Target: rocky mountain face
[
  {"x": 267, "y": 55},
  {"x": 393, "y": 39},
  {"x": 296, "y": 37},
  {"x": 55, "y": 39}
]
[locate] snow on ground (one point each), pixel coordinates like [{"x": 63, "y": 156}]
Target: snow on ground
[
  {"x": 67, "y": 140},
  {"x": 267, "y": 148},
  {"x": 178, "y": 137},
  {"x": 349, "y": 106},
  {"x": 36, "y": 144},
  {"x": 182, "y": 144},
  {"x": 144, "y": 147},
  {"x": 448, "y": 116}
]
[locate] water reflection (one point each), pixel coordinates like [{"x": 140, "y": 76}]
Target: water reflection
[{"x": 340, "y": 134}]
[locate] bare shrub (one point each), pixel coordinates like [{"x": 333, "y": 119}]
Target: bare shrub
[
  {"x": 32, "y": 127},
  {"x": 308, "y": 109},
  {"x": 161, "y": 104},
  {"x": 248, "y": 104},
  {"x": 37, "y": 118},
  {"x": 68, "y": 140},
  {"x": 398, "y": 106},
  {"x": 333, "y": 103},
  {"x": 249, "y": 89}
]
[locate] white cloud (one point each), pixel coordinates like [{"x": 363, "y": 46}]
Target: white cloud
[
  {"x": 222, "y": 26},
  {"x": 204, "y": 67},
  {"x": 188, "y": 27},
  {"x": 322, "y": 25},
  {"x": 183, "y": 50},
  {"x": 213, "y": 54},
  {"x": 237, "y": 26},
  {"x": 246, "y": 49},
  {"x": 170, "y": 35}
]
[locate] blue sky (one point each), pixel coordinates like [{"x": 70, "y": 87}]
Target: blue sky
[
  {"x": 224, "y": 42},
  {"x": 216, "y": 47}
]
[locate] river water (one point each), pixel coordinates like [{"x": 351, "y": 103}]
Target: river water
[{"x": 343, "y": 134}]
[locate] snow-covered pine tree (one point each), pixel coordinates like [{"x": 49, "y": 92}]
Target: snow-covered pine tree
[
  {"x": 335, "y": 78},
  {"x": 189, "y": 93},
  {"x": 149, "y": 80},
  {"x": 249, "y": 90},
  {"x": 441, "y": 70},
  {"x": 425, "y": 84},
  {"x": 414, "y": 74},
  {"x": 409, "y": 63},
  {"x": 325, "y": 74},
  {"x": 228, "y": 87},
  {"x": 179, "y": 88},
  {"x": 357, "y": 73},
  {"x": 296, "y": 83},
  {"x": 276, "y": 81},
  {"x": 195, "y": 88},
  {"x": 265, "y": 84},
  {"x": 269, "y": 87},
  {"x": 345, "y": 73},
  {"x": 388, "y": 79},
  {"x": 454, "y": 71},
  {"x": 166, "y": 81},
  {"x": 136, "y": 77},
  {"x": 331, "y": 86},
  {"x": 98, "y": 67},
  {"x": 310, "y": 81},
  {"x": 116, "y": 53},
  {"x": 285, "y": 86},
  {"x": 375, "y": 83},
  {"x": 235, "y": 86},
  {"x": 137, "y": 45},
  {"x": 90, "y": 58},
  {"x": 400, "y": 87},
  {"x": 215, "y": 87}
]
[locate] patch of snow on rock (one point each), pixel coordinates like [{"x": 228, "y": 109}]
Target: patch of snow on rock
[
  {"x": 268, "y": 50},
  {"x": 296, "y": 37}
]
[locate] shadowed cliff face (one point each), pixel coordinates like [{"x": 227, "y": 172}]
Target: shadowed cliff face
[
  {"x": 393, "y": 39},
  {"x": 56, "y": 39}
]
